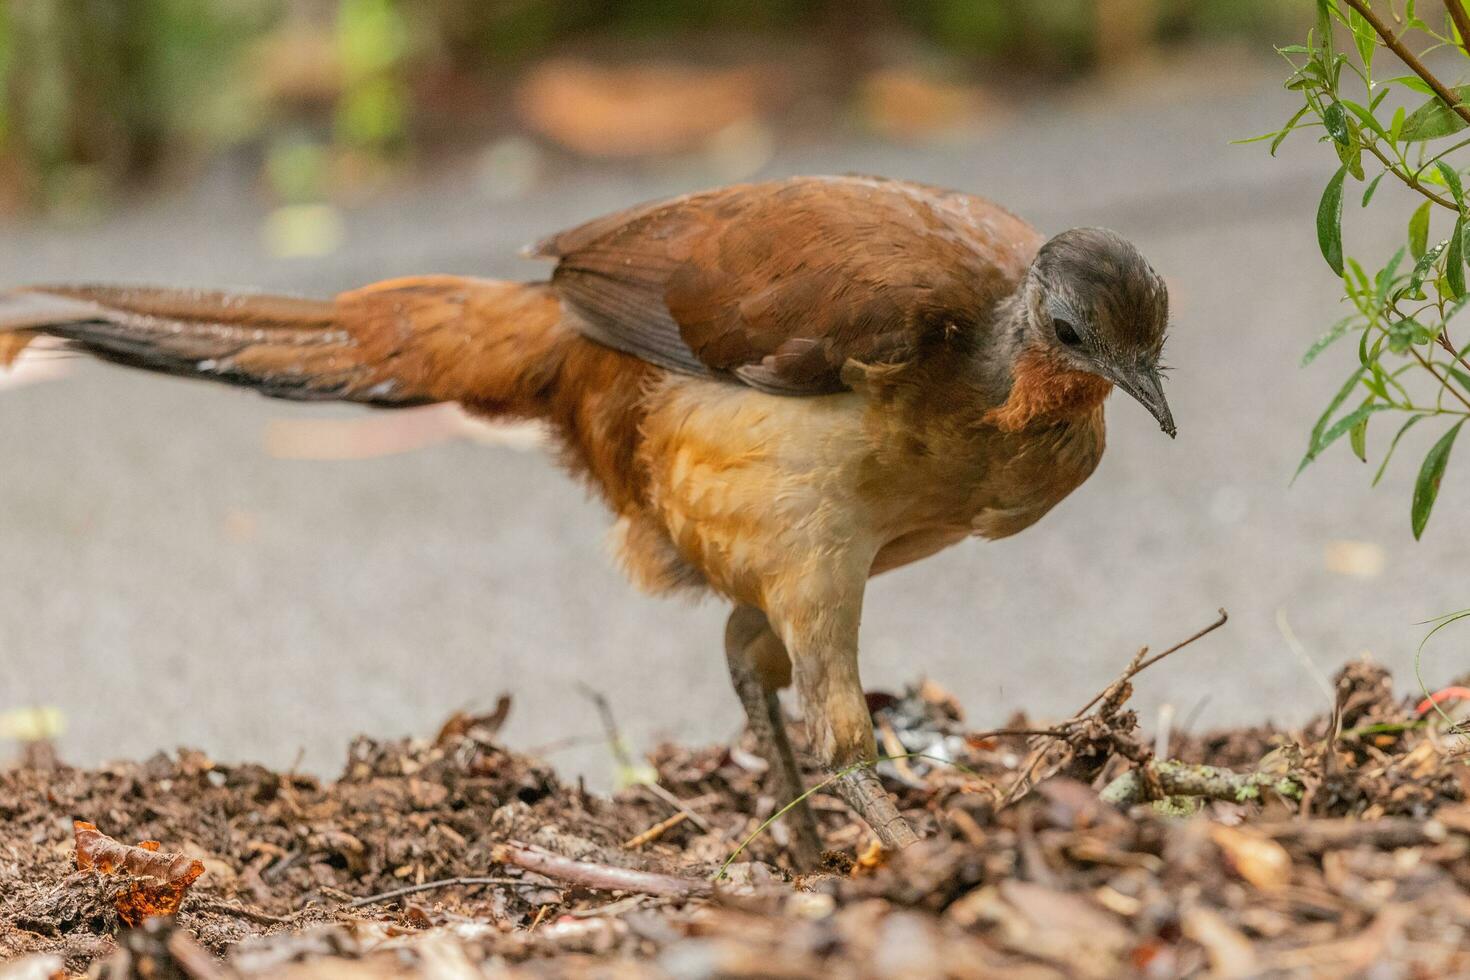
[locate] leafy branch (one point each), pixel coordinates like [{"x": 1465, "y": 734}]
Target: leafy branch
[{"x": 1408, "y": 362}]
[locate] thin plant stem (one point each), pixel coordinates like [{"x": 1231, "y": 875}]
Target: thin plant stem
[
  {"x": 1440, "y": 623},
  {"x": 1143, "y": 664},
  {"x": 1410, "y": 180},
  {"x": 1444, "y": 381}
]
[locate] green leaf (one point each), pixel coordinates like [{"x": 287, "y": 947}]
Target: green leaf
[
  {"x": 1368, "y": 355},
  {"x": 1454, "y": 260},
  {"x": 1335, "y": 119},
  {"x": 1339, "y": 429},
  {"x": 1461, "y": 377},
  {"x": 1419, "y": 231},
  {"x": 1276, "y": 136},
  {"x": 1383, "y": 466},
  {"x": 1373, "y": 381},
  {"x": 1451, "y": 178},
  {"x": 1396, "y": 127},
  {"x": 1291, "y": 124},
  {"x": 1351, "y": 155},
  {"x": 1422, "y": 267},
  {"x": 1434, "y": 119},
  {"x": 1358, "y": 437},
  {"x": 1372, "y": 186},
  {"x": 1333, "y": 334},
  {"x": 1404, "y": 332},
  {"x": 1393, "y": 379},
  {"x": 1324, "y": 24},
  {"x": 1413, "y": 82},
  {"x": 1400, "y": 335},
  {"x": 1426, "y": 487},
  {"x": 1275, "y": 133},
  {"x": 1356, "y": 282},
  {"x": 1366, "y": 116},
  {"x": 1364, "y": 37},
  {"x": 1386, "y": 276},
  {"x": 1337, "y": 400},
  {"x": 1329, "y": 221}
]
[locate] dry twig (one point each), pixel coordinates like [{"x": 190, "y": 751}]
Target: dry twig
[
  {"x": 242, "y": 912},
  {"x": 1141, "y": 662},
  {"x": 1174, "y": 778},
  {"x": 683, "y": 807},
  {"x": 600, "y": 876},
  {"x": 656, "y": 831},
  {"x": 1107, "y": 701},
  {"x": 429, "y": 886},
  {"x": 1397, "y": 46}
]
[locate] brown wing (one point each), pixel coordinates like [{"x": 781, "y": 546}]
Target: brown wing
[{"x": 780, "y": 284}]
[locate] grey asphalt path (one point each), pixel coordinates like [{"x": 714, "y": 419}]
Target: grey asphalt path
[{"x": 377, "y": 596}]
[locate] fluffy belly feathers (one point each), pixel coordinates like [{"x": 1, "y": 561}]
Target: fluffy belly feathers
[{"x": 747, "y": 490}]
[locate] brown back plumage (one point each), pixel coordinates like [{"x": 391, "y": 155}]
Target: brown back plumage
[{"x": 779, "y": 284}]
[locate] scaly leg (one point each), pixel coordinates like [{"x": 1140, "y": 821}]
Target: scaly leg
[
  {"x": 820, "y": 627},
  {"x": 759, "y": 667}
]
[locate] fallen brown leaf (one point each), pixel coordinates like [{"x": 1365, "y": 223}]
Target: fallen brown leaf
[
  {"x": 171, "y": 874},
  {"x": 1258, "y": 859}
]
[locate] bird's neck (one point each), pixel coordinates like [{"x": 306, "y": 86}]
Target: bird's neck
[
  {"x": 1044, "y": 390},
  {"x": 1009, "y": 380}
]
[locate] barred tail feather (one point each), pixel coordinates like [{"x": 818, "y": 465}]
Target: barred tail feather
[
  {"x": 395, "y": 344},
  {"x": 497, "y": 348}
]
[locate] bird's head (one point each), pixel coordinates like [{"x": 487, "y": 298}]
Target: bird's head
[{"x": 1096, "y": 304}]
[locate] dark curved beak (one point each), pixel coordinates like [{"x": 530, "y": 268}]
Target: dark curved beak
[{"x": 1145, "y": 385}]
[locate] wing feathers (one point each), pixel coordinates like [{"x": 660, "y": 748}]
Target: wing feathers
[{"x": 779, "y": 285}]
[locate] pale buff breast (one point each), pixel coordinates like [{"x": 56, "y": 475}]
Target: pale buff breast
[
  {"x": 750, "y": 485},
  {"x": 749, "y": 489}
]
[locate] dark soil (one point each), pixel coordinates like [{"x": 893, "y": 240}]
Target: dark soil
[{"x": 1356, "y": 852}]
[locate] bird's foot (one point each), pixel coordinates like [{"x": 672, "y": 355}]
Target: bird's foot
[{"x": 864, "y": 792}]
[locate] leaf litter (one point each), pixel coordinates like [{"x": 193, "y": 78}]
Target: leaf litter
[{"x": 456, "y": 857}]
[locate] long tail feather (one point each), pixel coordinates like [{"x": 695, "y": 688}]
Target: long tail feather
[{"x": 404, "y": 342}]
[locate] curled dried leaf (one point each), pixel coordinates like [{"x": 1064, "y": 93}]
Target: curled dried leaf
[
  {"x": 163, "y": 876},
  {"x": 96, "y": 851}
]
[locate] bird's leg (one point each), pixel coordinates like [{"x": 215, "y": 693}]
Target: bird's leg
[
  {"x": 822, "y": 639},
  {"x": 864, "y": 792},
  {"x": 759, "y": 667}
]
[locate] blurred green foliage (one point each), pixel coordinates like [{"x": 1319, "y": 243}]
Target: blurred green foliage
[
  {"x": 98, "y": 88},
  {"x": 98, "y": 91},
  {"x": 372, "y": 43}
]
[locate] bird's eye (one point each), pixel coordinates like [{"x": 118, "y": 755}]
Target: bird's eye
[{"x": 1066, "y": 333}]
